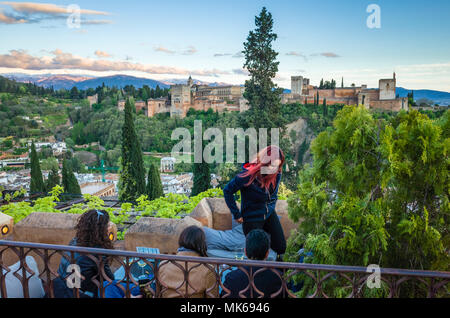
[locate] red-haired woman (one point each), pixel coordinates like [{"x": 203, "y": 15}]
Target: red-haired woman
[{"x": 258, "y": 183}]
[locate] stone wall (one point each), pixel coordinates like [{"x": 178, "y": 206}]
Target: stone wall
[{"x": 157, "y": 233}]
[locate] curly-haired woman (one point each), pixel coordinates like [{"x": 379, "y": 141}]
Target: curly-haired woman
[{"x": 91, "y": 231}]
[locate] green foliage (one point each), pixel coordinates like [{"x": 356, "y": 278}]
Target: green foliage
[
  {"x": 69, "y": 181},
  {"x": 262, "y": 93},
  {"x": 202, "y": 178},
  {"x": 377, "y": 194},
  {"x": 173, "y": 205},
  {"x": 132, "y": 174},
  {"x": 37, "y": 181},
  {"x": 154, "y": 185}
]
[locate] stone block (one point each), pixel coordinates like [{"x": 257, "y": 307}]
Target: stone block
[
  {"x": 158, "y": 233},
  {"x": 221, "y": 214},
  {"x": 203, "y": 213}
]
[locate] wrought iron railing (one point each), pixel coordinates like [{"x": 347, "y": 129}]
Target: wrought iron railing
[{"x": 319, "y": 278}]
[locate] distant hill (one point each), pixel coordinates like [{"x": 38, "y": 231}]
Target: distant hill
[
  {"x": 441, "y": 98},
  {"x": 120, "y": 81},
  {"x": 84, "y": 82}
]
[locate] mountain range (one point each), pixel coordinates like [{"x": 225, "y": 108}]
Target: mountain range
[{"x": 86, "y": 81}]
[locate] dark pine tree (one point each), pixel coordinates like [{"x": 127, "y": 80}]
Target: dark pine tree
[
  {"x": 37, "y": 181},
  {"x": 263, "y": 95},
  {"x": 132, "y": 176},
  {"x": 154, "y": 185}
]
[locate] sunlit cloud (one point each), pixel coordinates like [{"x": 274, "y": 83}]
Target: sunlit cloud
[
  {"x": 59, "y": 60},
  {"x": 99, "y": 53},
  {"x": 326, "y": 54},
  {"x": 29, "y": 12},
  {"x": 190, "y": 50},
  {"x": 46, "y": 8},
  {"x": 6, "y": 19},
  {"x": 164, "y": 50},
  {"x": 297, "y": 54}
]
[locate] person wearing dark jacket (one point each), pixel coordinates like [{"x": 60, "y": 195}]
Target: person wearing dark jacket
[
  {"x": 92, "y": 231},
  {"x": 258, "y": 183},
  {"x": 267, "y": 282}
]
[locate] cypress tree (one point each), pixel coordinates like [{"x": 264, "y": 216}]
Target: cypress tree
[
  {"x": 69, "y": 181},
  {"x": 202, "y": 178},
  {"x": 37, "y": 181},
  {"x": 342, "y": 83},
  {"x": 132, "y": 176},
  {"x": 52, "y": 180},
  {"x": 154, "y": 185}
]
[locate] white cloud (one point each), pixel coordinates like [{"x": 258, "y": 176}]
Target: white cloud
[
  {"x": 164, "y": 50},
  {"x": 30, "y": 12},
  {"x": 99, "y": 53},
  {"x": 59, "y": 60}
]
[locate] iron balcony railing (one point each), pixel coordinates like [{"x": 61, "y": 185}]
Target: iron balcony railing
[{"x": 319, "y": 278}]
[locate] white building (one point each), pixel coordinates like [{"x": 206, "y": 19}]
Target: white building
[{"x": 168, "y": 164}]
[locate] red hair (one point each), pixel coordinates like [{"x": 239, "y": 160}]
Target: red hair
[{"x": 263, "y": 159}]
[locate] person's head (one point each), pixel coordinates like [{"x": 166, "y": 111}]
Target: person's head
[
  {"x": 266, "y": 166},
  {"x": 193, "y": 238},
  {"x": 92, "y": 230},
  {"x": 257, "y": 245}
]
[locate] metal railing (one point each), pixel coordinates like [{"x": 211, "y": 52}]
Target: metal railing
[{"x": 319, "y": 278}]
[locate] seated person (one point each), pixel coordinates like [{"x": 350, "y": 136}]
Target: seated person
[
  {"x": 201, "y": 280},
  {"x": 91, "y": 231},
  {"x": 256, "y": 248},
  {"x": 224, "y": 244}
]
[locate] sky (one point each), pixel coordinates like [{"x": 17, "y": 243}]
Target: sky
[{"x": 176, "y": 38}]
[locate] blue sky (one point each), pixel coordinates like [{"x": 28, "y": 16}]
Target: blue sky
[{"x": 173, "y": 38}]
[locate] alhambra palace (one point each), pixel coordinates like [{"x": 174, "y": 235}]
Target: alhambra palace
[{"x": 230, "y": 98}]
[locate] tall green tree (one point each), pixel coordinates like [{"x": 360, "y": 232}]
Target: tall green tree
[
  {"x": 69, "y": 181},
  {"x": 377, "y": 193},
  {"x": 132, "y": 175},
  {"x": 263, "y": 95},
  {"x": 37, "y": 181},
  {"x": 202, "y": 178},
  {"x": 154, "y": 185},
  {"x": 52, "y": 180}
]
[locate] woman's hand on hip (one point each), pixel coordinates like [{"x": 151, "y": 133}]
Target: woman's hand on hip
[{"x": 240, "y": 220}]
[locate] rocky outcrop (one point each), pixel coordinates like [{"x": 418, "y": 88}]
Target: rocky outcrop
[{"x": 302, "y": 134}]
